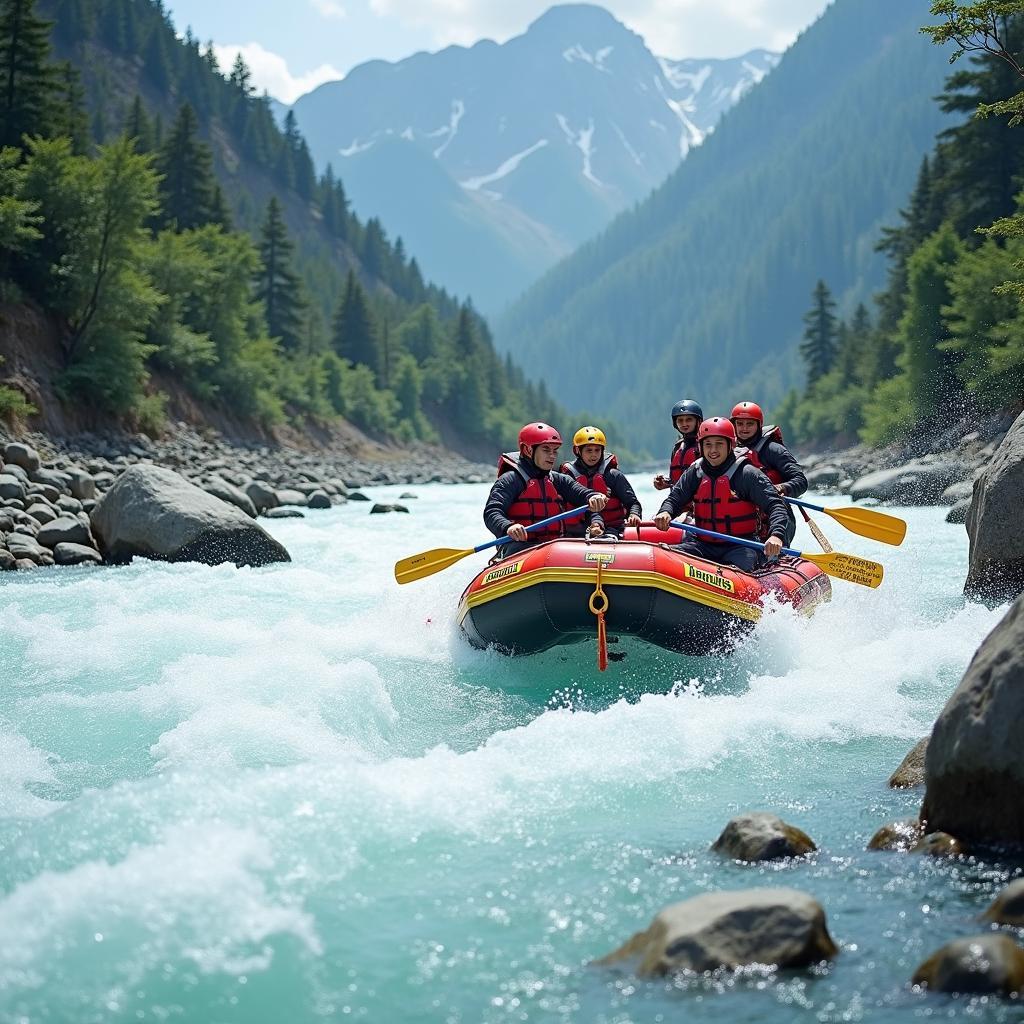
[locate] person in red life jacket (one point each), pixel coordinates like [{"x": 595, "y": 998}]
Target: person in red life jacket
[
  {"x": 765, "y": 449},
  {"x": 687, "y": 417},
  {"x": 597, "y": 469},
  {"x": 527, "y": 491},
  {"x": 728, "y": 495}
]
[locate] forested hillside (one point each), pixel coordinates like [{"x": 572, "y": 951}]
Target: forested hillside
[
  {"x": 701, "y": 290},
  {"x": 945, "y": 339},
  {"x": 153, "y": 210}
]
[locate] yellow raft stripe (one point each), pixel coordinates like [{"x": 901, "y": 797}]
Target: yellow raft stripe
[{"x": 613, "y": 577}]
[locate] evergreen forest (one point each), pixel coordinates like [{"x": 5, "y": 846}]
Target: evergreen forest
[
  {"x": 944, "y": 340},
  {"x": 177, "y": 237}
]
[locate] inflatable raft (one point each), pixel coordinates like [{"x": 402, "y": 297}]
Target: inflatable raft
[{"x": 544, "y": 596}]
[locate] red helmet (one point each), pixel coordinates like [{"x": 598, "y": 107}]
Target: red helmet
[
  {"x": 747, "y": 411},
  {"x": 538, "y": 433},
  {"x": 718, "y": 426}
]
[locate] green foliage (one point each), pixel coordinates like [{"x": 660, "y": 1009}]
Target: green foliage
[
  {"x": 30, "y": 81},
  {"x": 14, "y": 405},
  {"x": 818, "y": 348},
  {"x": 19, "y": 218},
  {"x": 187, "y": 186},
  {"x": 277, "y": 284}
]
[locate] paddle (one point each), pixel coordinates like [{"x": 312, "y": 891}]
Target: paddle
[
  {"x": 865, "y": 521},
  {"x": 822, "y": 540},
  {"x": 417, "y": 567},
  {"x": 835, "y": 563}
]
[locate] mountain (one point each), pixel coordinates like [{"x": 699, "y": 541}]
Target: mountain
[
  {"x": 495, "y": 161},
  {"x": 700, "y": 290}
]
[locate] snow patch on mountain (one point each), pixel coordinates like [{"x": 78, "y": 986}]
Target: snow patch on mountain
[
  {"x": 583, "y": 140},
  {"x": 596, "y": 60},
  {"x": 356, "y": 147},
  {"x": 474, "y": 184},
  {"x": 680, "y": 79},
  {"x": 637, "y": 159},
  {"x": 452, "y": 128}
]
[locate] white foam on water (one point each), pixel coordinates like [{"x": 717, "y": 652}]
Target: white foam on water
[
  {"x": 23, "y": 765},
  {"x": 197, "y": 896}
]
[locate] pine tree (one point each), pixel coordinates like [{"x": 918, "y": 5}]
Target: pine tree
[
  {"x": 354, "y": 335},
  {"x": 70, "y": 116},
  {"x": 374, "y": 249},
  {"x": 184, "y": 160},
  {"x": 819, "y": 345},
  {"x": 156, "y": 59},
  {"x": 138, "y": 126},
  {"x": 28, "y": 82},
  {"x": 277, "y": 285}
]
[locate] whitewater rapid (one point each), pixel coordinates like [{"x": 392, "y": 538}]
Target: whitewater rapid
[{"x": 294, "y": 793}]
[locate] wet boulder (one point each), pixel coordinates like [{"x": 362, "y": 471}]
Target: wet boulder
[
  {"x": 918, "y": 483},
  {"x": 156, "y": 513},
  {"x": 759, "y": 836},
  {"x": 958, "y": 513},
  {"x": 76, "y": 554},
  {"x": 287, "y": 496},
  {"x": 992, "y": 963},
  {"x": 938, "y": 845},
  {"x": 220, "y": 488},
  {"x": 1008, "y": 906},
  {"x": 782, "y": 928},
  {"x": 318, "y": 500},
  {"x": 283, "y": 513},
  {"x": 973, "y": 767},
  {"x": 380, "y": 509},
  {"x": 995, "y": 524},
  {"x": 65, "y": 530},
  {"x": 910, "y": 773},
  {"x": 82, "y": 486},
  {"x": 262, "y": 495},
  {"x": 898, "y": 836},
  {"x": 10, "y": 487}
]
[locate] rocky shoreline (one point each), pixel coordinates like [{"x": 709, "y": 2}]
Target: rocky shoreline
[{"x": 51, "y": 488}]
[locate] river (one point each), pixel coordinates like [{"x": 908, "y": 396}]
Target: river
[{"x": 293, "y": 794}]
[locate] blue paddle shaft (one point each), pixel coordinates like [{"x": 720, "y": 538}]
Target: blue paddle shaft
[
  {"x": 731, "y": 540},
  {"x": 571, "y": 514},
  {"x": 803, "y": 504}
]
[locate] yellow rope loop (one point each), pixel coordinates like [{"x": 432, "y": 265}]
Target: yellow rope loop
[{"x": 599, "y": 599}]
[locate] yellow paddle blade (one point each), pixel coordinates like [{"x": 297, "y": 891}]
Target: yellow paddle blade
[
  {"x": 870, "y": 523},
  {"x": 848, "y": 567},
  {"x": 416, "y": 567}
]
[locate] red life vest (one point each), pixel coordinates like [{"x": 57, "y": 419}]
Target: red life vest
[
  {"x": 684, "y": 454},
  {"x": 614, "y": 515},
  {"x": 539, "y": 499},
  {"x": 753, "y": 453},
  {"x": 717, "y": 507}
]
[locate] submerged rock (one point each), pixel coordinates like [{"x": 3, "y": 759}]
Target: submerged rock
[
  {"x": 1008, "y": 906},
  {"x": 917, "y": 483},
  {"x": 939, "y": 844},
  {"x": 156, "y": 513},
  {"x": 995, "y": 523},
  {"x": 898, "y": 836},
  {"x": 991, "y": 963},
  {"x": 761, "y": 835},
  {"x": 318, "y": 500},
  {"x": 378, "y": 509},
  {"x": 776, "y": 927},
  {"x": 974, "y": 770},
  {"x": 911, "y": 770}
]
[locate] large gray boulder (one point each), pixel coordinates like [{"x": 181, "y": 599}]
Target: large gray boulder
[
  {"x": 65, "y": 530},
  {"x": 995, "y": 523},
  {"x": 760, "y": 835},
  {"x": 777, "y": 927},
  {"x": 974, "y": 770},
  {"x": 917, "y": 483},
  {"x": 991, "y": 963},
  {"x": 156, "y": 513},
  {"x": 18, "y": 454},
  {"x": 10, "y": 487},
  {"x": 261, "y": 495}
]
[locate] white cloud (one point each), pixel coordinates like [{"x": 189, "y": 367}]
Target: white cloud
[
  {"x": 671, "y": 28},
  {"x": 270, "y": 71},
  {"x": 329, "y": 8}
]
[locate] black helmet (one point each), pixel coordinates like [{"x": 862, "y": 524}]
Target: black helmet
[{"x": 686, "y": 407}]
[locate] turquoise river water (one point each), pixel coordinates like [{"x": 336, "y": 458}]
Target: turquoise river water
[{"x": 293, "y": 794}]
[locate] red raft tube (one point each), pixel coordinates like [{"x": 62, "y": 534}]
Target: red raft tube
[{"x": 542, "y": 597}]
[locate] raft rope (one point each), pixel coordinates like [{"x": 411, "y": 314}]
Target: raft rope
[
  {"x": 818, "y": 535},
  {"x": 598, "y": 606}
]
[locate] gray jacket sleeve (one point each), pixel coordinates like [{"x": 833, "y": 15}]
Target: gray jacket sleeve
[{"x": 778, "y": 457}]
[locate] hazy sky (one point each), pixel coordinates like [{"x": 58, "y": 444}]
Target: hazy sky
[{"x": 294, "y": 45}]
